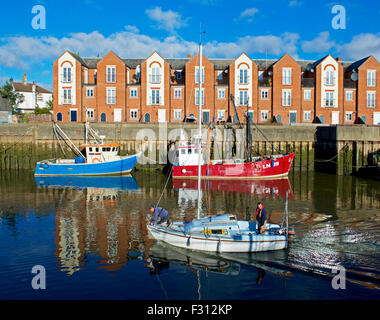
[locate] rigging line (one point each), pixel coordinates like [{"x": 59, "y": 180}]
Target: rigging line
[
  {"x": 162, "y": 287},
  {"x": 166, "y": 183}
]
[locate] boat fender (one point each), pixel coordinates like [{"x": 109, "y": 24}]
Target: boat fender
[
  {"x": 44, "y": 165},
  {"x": 291, "y": 231},
  {"x": 183, "y": 171},
  {"x": 95, "y": 160}
]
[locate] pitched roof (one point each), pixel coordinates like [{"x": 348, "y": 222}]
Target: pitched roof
[
  {"x": 21, "y": 87},
  {"x": 356, "y": 64},
  {"x": 4, "y": 104}
]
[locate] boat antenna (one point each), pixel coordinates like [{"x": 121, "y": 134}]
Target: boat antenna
[{"x": 200, "y": 96}]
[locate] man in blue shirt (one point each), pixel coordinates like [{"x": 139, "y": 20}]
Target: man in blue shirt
[
  {"x": 159, "y": 213},
  {"x": 261, "y": 217}
]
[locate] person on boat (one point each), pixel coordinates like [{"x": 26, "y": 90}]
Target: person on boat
[
  {"x": 261, "y": 218},
  {"x": 159, "y": 213}
]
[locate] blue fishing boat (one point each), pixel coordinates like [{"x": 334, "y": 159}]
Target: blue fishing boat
[{"x": 94, "y": 159}]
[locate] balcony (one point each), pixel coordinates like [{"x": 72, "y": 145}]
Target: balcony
[
  {"x": 287, "y": 81},
  {"x": 155, "y": 78},
  {"x": 66, "y": 79},
  {"x": 307, "y": 82},
  {"x": 155, "y": 100},
  {"x": 66, "y": 101},
  {"x": 243, "y": 80},
  {"x": 111, "y": 100},
  {"x": 349, "y": 84},
  {"x": 266, "y": 82},
  {"x": 286, "y": 102},
  {"x": 329, "y": 81}
]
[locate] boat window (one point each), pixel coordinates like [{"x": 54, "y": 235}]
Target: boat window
[
  {"x": 189, "y": 151},
  {"x": 113, "y": 148},
  {"x": 196, "y": 151},
  {"x": 183, "y": 151},
  {"x": 109, "y": 149},
  {"x": 96, "y": 149},
  {"x": 90, "y": 149}
]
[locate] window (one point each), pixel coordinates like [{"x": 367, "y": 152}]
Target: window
[
  {"x": 243, "y": 76},
  {"x": 330, "y": 78},
  {"x": 111, "y": 74},
  {"x": 103, "y": 117},
  {"x": 348, "y": 116},
  {"x": 220, "y": 76},
  {"x": 111, "y": 95},
  {"x": 90, "y": 92},
  {"x": 307, "y": 94},
  {"x": 147, "y": 117},
  {"x": 349, "y": 96},
  {"x": 264, "y": 94},
  {"x": 221, "y": 115},
  {"x": 59, "y": 117},
  {"x": 221, "y": 94},
  {"x": 66, "y": 96},
  {"x": 197, "y": 74},
  {"x": 178, "y": 74},
  {"x": 177, "y": 114},
  {"x": 90, "y": 113},
  {"x": 85, "y": 76},
  {"x": 177, "y": 93},
  {"x": 264, "y": 115},
  {"x": 66, "y": 74},
  {"x": 183, "y": 151},
  {"x": 286, "y": 98},
  {"x": 197, "y": 96},
  {"x": 371, "y": 78},
  {"x": 133, "y": 92},
  {"x": 287, "y": 76},
  {"x": 307, "y": 115},
  {"x": 243, "y": 95},
  {"x": 371, "y": 99},
  {"x": 133, "y": 114},
  {"x": 330, "y": 101},
  {"x": 155, "y": 96},
  {"x": 155, "y": 76}
]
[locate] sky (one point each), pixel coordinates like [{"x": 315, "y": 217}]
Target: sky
[{"x": 32, "y": 38}]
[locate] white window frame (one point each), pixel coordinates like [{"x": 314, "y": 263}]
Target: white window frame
[
  {"x": 90, "y": 114},
  {"x": 371, "y": 99},
  {"x": 111, "y": 74},
  {"x": 264, "y": 113},
  {"x": 177, "y": 93},
  {"x": 307, "y": 94},
  {"x": 155, "y": 74},
  {"x": 307, "y": 116},
  {"x": 155, "y": 96},
  {"x": 66, "y": 74},
  {"x": 264, "y": 94},
  {"x": 197, "y": 74},
  {"x": 133, "y": 114},
  {"x": 330, "y": 77},
  {"x": 111, "y": 95},
  {"x": 221, "y": 93},
  {"x": 349, "y": 96},
  {"x": 243, "y": 76},
  {"x": 348, "y": 116},
  {"x": 329, "y": 99},
  {"x": 243, "y": 97},
  {"x": 286, "y": 76},
  {"x": 219, "y": 115},
  {"x": 67, "y": 96},
  {"x": 177, "y": 113},
  {"x": 133, "y": 93},
  {"x": 196, "y": 96},
  {"x": 90, "y": 90},
  {"x": 371, "y": 78},
  {"x": 286, "y": 97}
]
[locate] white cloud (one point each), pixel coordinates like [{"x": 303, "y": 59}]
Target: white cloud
[
  {"x": 248, "y": 14},
  {"x": 320, "y": 44},
  {"x": 295, "y": 3},
  {"x": 167, "y": 20},
  {"x": 361, "y": 46}
]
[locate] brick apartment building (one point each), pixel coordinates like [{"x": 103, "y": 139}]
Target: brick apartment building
[{"x": 155, "y": 89}]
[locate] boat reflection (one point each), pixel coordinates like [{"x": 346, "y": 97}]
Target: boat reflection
[
  {"x": 276, "y": 188},
  {"x": 162, "y": 254}
]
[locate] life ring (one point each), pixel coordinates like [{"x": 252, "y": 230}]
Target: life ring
[{"x": 95, "y": 160}]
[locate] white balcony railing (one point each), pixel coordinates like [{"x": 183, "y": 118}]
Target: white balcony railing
[
  {"x": 330, "y": 102},
  {"x": 155, "y": 100},
  {"x": 329, "y": 81},
  {"x": 155, "y": 78},
  {"x": 111, "y": 100}
]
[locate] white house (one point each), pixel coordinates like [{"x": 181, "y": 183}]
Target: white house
[{"x": 34, "y": 95}]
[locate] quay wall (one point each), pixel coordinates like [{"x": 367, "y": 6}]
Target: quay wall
[{"x": 339, "y": 149}]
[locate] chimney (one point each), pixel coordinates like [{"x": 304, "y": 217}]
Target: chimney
[
  {"x": 33, "y": 87},
  {"x": 188, "y": 56},
  {"x": 339, "y": 59},
  {"x": 24, "y": 79}
]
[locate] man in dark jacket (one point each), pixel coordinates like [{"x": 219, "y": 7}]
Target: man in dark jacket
[
  {"x": 159, "y": 213},
  {"x": 261, "y": 217}
]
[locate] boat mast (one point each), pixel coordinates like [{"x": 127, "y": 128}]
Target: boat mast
[{"x": 199, "y": 126}]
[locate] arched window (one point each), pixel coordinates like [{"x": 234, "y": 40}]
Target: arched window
[
  {"x": 155, "y": 73},
  {"x": 243, "y": 76},
  {"x": 59, "y": 117},
  {"x": 147, "y": 117},
  {"x": 103, "y": 117}
]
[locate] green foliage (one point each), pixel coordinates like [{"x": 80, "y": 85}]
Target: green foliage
[{"x": 14, "y": 97}]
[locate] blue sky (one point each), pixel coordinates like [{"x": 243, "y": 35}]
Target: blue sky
[{"x": 261, "y": 28}]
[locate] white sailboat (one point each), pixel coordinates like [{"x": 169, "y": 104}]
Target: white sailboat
[{"x": 222, "y": 233}]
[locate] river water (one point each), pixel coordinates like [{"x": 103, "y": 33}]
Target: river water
[{"x": 90, "y": 237}]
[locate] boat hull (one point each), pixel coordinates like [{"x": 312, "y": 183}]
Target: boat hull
[
  {"x": 270, "y": 168},
  {"x": 117, "y": 167},
  {"x": 246, "y": 243}
]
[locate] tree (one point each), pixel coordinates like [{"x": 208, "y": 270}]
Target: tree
[{"x": 14, "y": 97}]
